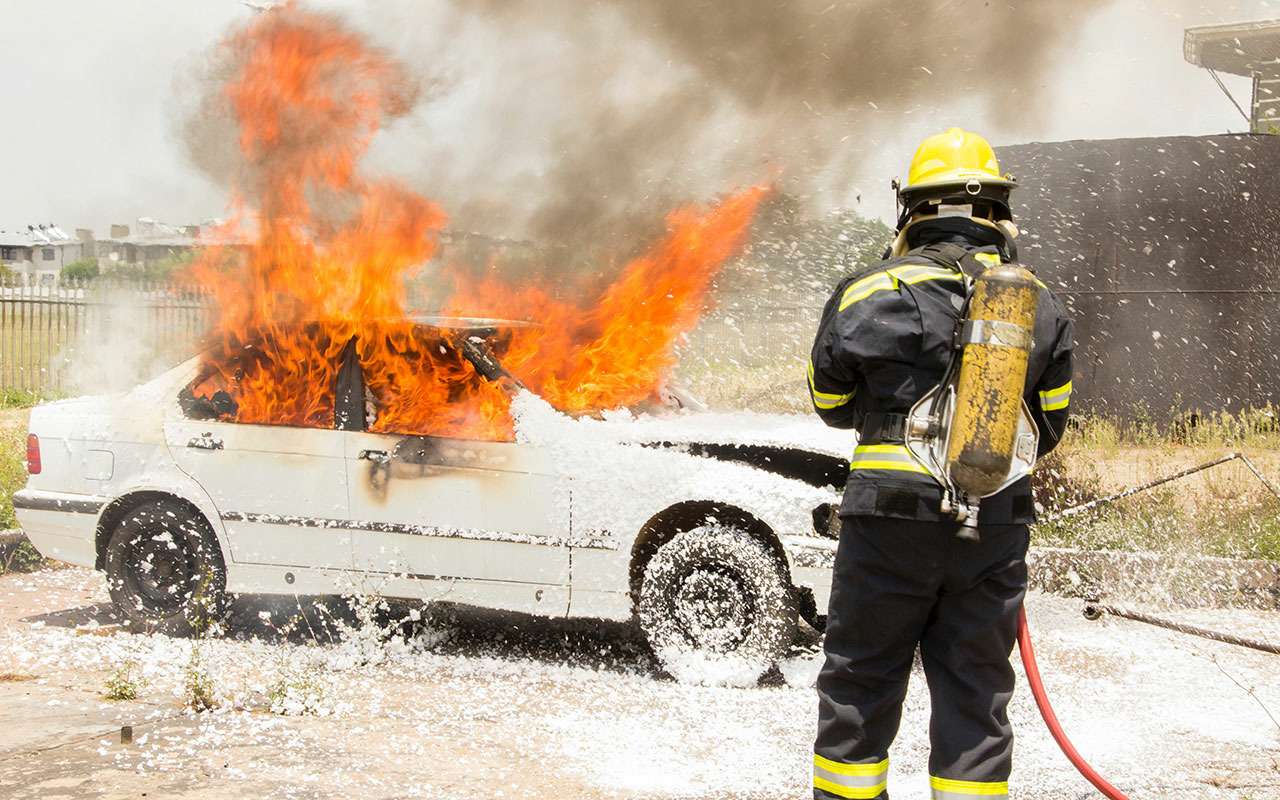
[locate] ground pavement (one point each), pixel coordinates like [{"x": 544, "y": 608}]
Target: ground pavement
[{"x": 486, "y": 705}]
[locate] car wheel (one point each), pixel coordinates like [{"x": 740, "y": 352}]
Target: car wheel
[
  {"x": 717, "y": 606},
  {"x": 165, "y": 571}
]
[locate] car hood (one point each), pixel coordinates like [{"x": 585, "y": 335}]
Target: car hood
[
  {"x": 793, "y": 431},
  {"x": 793, "y": 446}
]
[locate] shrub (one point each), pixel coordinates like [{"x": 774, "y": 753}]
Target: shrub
[
  {"x": 83, "y": 270},
  {"x": 13, "y": 472},
  {"x": 123, "y": 683},
  {"x": 197, "y": 683},
  {"x": 23, "y": 558}
]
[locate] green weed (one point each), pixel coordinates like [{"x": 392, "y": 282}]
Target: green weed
[{"x": 123, "y": 683}]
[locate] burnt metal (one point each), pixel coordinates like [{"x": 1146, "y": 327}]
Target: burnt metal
[
  {"x": 416, "y": 450},
  {"x": 1163, "y": 250},
  {"x": 348, "y": 390},
  {"x": 815, "y": 469},
  {"x": 476, "y": 349},
  {"x": 219, "y": 406},
  {"x": 1095, "y": 611}
]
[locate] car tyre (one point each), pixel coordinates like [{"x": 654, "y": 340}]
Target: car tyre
[
  {"x": 717, "y": 606},
  {"x": 165, "y": 572}
]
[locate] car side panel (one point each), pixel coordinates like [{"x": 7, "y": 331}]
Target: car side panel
[
  {"x": 613, "y": 506},
  {"x": 280, "y": 493},
  {"x": 61, "y": 526}
]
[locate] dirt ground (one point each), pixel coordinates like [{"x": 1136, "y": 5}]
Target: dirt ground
[{"x": 487, "y": 705}]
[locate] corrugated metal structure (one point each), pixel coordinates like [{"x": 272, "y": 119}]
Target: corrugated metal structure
[
  {"x": 1248, "y": 49},
  {"x": 1168, "y": 252}
]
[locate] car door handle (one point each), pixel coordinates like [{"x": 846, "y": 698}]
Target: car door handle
[
  {"x": 205, "y": 441},
  {"x": 376, "y": 456}
]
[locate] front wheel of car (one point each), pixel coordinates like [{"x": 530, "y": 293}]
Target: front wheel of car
[
  {"x": 164, "y": 570},
  {"x": 717, "y": 606}
]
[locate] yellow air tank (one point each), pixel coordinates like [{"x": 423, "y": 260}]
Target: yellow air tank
[{"x": 997, "y": 341}]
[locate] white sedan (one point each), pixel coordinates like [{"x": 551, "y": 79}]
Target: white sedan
[{"x": 716, "y": 530}]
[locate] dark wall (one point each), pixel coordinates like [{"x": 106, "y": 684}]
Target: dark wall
[{"x": 1168, "y": 253}]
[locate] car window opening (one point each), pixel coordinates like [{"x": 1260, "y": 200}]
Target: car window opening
[{"x": 400, "y": 378}]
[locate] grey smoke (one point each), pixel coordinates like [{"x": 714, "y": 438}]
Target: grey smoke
[
  {"x": 577, "y": 124},
  {"x": 611, "y": 111}
]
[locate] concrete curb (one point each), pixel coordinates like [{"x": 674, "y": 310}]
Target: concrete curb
[{"x": 1196, "y": 581}]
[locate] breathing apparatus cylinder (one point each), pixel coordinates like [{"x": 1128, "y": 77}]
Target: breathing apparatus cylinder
[{"x": 996, "y": 338}]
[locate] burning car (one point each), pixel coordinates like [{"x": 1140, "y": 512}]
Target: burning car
[{"x": 714, "y": 530}]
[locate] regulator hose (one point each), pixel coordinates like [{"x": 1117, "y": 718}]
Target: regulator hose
[{"x": 1051, "y": 719}]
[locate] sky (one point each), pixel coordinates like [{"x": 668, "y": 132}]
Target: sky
[{"x": 92, "y": 95}]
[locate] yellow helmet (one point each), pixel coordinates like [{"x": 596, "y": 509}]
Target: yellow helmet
[{"x": 955, "y": 164}]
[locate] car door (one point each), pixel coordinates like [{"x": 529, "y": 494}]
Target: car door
[
  {"x": 459, "y": 511},
  {"x": 281, "y": 491}
]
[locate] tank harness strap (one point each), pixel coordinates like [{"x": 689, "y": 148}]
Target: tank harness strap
[
  {"x": 944, "y": 254},
  {"x": 880, "y": 427}
]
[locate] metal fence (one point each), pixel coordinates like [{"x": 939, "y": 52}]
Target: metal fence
[
  {"x": 102, "y": 335},
  {"x": 78, "y": 335}
]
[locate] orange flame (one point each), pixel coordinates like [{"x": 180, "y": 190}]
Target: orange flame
[{"x": 333, "y": 252}]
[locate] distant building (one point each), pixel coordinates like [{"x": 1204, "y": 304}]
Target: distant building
[
  {"x": 149, "y": 241},
  {"x": 38, "y": 253}
]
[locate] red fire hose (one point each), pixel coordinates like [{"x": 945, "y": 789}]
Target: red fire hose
[{"x": 1051, "y": 719}]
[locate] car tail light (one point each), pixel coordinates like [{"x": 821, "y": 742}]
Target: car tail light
[{"x": 33, "y": 454}]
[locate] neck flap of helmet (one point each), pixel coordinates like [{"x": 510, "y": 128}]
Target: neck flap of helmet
[{"x": 968, "y": 231}]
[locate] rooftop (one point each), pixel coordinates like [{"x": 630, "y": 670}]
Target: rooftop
[
  {"x": 35, "y": 236},
  {"x": 1237, "y": 48}
]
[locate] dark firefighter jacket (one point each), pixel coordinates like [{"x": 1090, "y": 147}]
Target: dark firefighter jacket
[{"x": 885, "y": 340}]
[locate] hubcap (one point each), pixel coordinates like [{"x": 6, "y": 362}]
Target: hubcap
[
  {"x": 713, "y": 609},
  {"x": 158, "y": 574}
]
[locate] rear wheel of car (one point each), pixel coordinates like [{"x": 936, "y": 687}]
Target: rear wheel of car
[
  {"x": 717, "y": 606},
  {"x": 164, "y": 569}
]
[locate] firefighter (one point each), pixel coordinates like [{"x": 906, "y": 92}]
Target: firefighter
[{"x": 908, "y": 574}]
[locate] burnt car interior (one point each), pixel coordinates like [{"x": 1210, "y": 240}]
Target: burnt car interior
[{"x": 474, "y": 339}]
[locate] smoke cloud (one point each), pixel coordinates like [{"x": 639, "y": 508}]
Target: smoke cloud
[{"x": 577, "y": 125}]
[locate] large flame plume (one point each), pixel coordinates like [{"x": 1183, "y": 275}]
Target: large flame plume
[{"x": 333, "y": 251}]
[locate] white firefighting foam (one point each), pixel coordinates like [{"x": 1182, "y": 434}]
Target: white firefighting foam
[{"x": 383, "y": 715}]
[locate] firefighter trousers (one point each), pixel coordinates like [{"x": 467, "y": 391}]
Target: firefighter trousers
[{"x": 902, "y": 583}]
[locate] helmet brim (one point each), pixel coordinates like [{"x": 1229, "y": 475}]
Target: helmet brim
[{"x": 959, "y": 183}]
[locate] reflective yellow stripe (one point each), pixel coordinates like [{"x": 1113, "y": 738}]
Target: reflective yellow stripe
[
  {"x": 858, "y": 781},
  {"x": 862, "y": 289},
  {"x": 910, "y": 274},
  {"x": 878, "y": 768},
  {"x": 991, "y": 260},
  {"x": 914, "y": 275},
  {"x": 853, "y": 792},
  {"x": 826, "y": 400},
  {"x": 947, "y": 789},
  {"x": 890, "y": 457},
  {"x": 1056, "y": 399}
]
